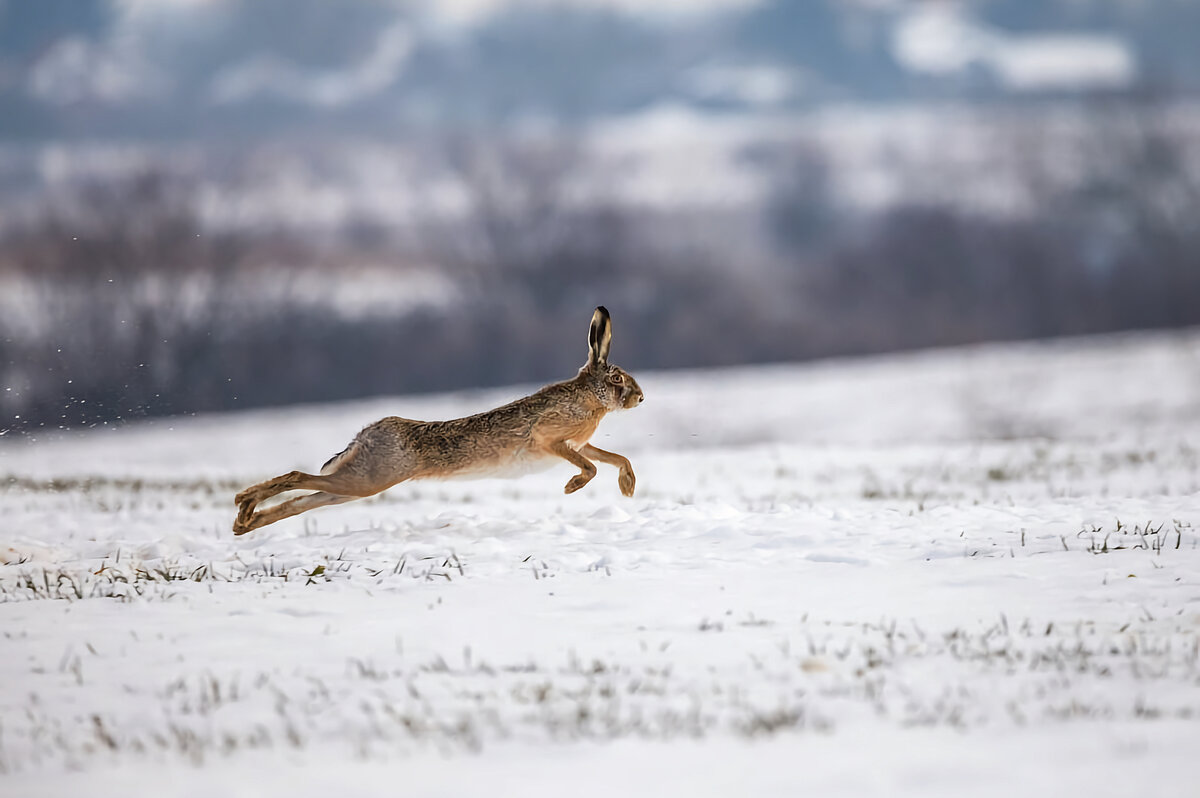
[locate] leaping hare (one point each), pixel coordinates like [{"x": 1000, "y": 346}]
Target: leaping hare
[{"x": 555, "y": 422}]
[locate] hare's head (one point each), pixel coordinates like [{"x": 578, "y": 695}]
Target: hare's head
[{"x": 614, "y": 386}]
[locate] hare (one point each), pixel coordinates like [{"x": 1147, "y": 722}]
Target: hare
[{"x": 536, "y": 431}]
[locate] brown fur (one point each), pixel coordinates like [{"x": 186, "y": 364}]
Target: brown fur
[{"x": 555, "y": 422}]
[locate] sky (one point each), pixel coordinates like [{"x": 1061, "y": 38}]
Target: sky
[{"x": 201, "y": 69}]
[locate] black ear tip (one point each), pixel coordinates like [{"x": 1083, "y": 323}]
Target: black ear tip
[{"x": 603, "y": 311}]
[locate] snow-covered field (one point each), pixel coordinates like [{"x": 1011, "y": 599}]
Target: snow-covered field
[{"x": 964, "y": 572}]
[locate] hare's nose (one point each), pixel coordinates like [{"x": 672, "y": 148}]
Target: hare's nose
[{"x": 641, "y": 398}]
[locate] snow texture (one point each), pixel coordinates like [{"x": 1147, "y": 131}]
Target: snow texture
[
  {"x": 963, "y": 572},
  {"x": 941, "y": 38}
]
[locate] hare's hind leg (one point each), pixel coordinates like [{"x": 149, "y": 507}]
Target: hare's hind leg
[
  {"x": 287, "y": 509},
  {"x": 625, "y": 478},
  {"x": 359, "y": 470},
  {"x": 249, "y": 498},
  {"x": 334, "y": 488},
  {"x": 339, "y": 486}
]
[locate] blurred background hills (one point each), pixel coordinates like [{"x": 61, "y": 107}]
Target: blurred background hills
[{"x": 209, "y": 204}]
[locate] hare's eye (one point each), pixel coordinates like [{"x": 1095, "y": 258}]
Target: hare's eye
[{"x": 617, "y": 379}]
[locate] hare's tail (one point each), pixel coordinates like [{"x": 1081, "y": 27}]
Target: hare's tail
[{"x": 332, "y": 463}]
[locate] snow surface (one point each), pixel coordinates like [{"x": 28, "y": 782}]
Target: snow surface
[
  {"x": 961, "y": 572},
  {"x": 942, "y": 38}
]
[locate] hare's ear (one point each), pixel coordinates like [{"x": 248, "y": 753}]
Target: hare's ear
[{"x": 599, "y": 338}]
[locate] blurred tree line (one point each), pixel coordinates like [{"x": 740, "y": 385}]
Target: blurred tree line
[
  {"x": 121, "y": 304},
  {"x": 1116, "y": 249}
]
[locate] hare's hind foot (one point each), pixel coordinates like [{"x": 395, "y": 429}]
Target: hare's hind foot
[
  {"x": 245, "y": 511},
  {"x": 287, "y": 509},
  {"x": 243, "y": 525},
  {"x": 247, "y": 500},
  {"x": 292, "y": 480}
]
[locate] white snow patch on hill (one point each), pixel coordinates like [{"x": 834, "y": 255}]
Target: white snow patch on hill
[{"x": 942, "y": 38}]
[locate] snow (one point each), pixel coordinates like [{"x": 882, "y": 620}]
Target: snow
[
  {"x": 1041, "y": 63},
  {"x": 967, "y": 571},
  {"x": 943, "y": 39}
]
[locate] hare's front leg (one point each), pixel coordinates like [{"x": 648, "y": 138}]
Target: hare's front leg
[
  {"x": 586, "y": 469},
  {"x": 625, "y": 478}
]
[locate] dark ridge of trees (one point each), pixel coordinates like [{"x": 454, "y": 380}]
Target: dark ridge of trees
[
  {"x": 134, "y": 308},
  {"x": 1117, "y": 250}
]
